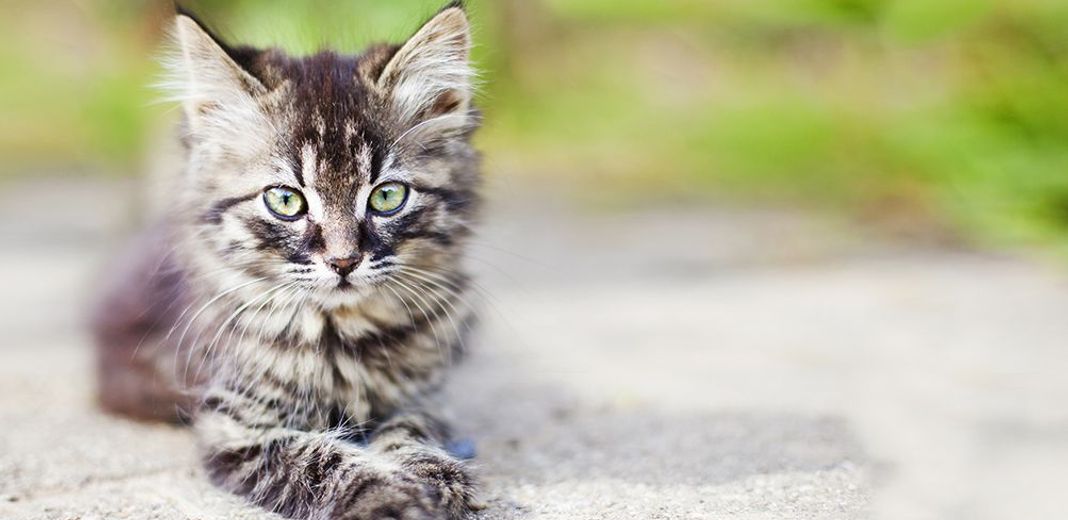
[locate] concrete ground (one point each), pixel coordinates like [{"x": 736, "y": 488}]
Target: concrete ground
[{"x": 660, "y": 363}]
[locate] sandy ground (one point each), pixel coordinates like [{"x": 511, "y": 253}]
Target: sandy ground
[{"x": 661, "y": 363}]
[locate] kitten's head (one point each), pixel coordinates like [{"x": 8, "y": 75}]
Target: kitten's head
[{"x": 330, "y": 173}]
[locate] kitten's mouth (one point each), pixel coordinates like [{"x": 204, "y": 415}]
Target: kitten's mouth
[{"x": 347, "y": 285}]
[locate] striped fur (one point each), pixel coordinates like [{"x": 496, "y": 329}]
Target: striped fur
[{"x": 309, "y": 385}]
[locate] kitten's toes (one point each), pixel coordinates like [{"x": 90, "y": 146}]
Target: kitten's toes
[
  {"x": 395, "y": 498},
  {"x": 451, "y": 479}
]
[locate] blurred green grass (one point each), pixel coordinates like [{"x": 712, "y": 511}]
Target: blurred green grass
[{"x": 945, "y": 117}]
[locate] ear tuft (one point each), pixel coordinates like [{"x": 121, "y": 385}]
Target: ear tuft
[
  {"x": 431, "y": 76},
  {"x": 214, "y": 90}
]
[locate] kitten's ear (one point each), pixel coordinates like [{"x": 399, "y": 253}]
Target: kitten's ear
[
  {"x": 213, "y": 88},
  {"x": 431, "y": 75}
]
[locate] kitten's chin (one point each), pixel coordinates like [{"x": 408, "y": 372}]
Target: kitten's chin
[{"x": 342, "y": 296}]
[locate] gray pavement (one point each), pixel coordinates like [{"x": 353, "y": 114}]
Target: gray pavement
[{"x": 656, "y": 363}]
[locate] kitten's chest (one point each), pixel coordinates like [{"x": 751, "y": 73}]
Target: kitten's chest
[{"x": 346, "y": 366}]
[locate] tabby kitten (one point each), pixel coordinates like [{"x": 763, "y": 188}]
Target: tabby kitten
[{"x": 304, "y": 294}]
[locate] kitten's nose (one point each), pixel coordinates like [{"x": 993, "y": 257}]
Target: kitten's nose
[{"x": 344, "y": 266}]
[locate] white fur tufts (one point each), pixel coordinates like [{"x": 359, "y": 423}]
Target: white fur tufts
[
  {"x": 432, "y": 66},
  {"x": 217, "y": 96}
]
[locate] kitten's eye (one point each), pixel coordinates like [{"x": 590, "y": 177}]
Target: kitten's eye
[
  {"x": 285, "y": 203},
  {"x": 388, "y": 198}
]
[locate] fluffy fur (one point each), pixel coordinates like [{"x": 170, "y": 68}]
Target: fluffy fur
[{"x": 307, "y": 384}]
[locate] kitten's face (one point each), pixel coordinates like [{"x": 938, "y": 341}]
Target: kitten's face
[{"x": 328, "y": 174}]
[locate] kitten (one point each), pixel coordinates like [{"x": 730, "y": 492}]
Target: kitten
[{"x": 304, "y": 294}]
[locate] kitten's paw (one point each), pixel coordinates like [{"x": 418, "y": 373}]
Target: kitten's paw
[
  {"x": 450, "y": 478},
  {"x": 397, "y": 497}
]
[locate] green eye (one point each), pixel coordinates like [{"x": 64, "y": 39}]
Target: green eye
[
  {"x": 285, "y": 203},
  {"x": 388, "y": 198}
]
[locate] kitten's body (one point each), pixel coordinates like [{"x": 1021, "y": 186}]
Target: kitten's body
[{"x": 304, "y": 347}]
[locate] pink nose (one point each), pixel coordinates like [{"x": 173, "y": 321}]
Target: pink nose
[{"x": 344, "y": 266}]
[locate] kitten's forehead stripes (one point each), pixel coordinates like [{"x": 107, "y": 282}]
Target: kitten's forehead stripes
[
  {"x": 305, "y": 164},
  {"x": 377, "y": 158},
  {"x": 332, "y": 110}
]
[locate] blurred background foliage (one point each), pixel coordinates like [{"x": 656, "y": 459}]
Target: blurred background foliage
[{"x": 937, "y": 118}]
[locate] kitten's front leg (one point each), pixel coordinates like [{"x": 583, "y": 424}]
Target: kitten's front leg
[
  {"x": 306, "y": 474},
  {"x": 415, "y": 439}
]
